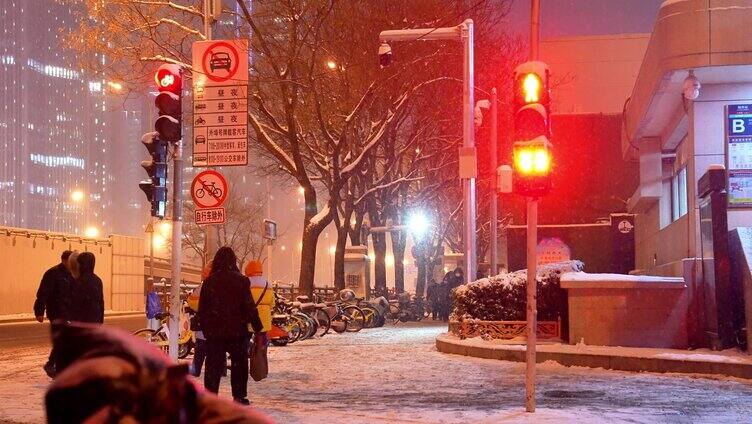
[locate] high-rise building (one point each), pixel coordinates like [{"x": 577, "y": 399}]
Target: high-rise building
[{"x": 59, "y": 127}]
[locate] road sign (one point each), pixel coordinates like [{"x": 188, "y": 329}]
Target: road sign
[
  {"x": 209, "y": 189},
  {"x": 270, "y": 230},
  {"x": 220, "y": 103},
  {"x": 210, "y": 216}
]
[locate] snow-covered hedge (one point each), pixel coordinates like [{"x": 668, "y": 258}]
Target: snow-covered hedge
[{"x": 503, "y": 297}]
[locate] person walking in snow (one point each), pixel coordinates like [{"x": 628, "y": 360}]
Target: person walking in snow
[
  {"x": 225, "y": 309},
  {"x": 153, "y": 306},
  {"x": 54, "y": 296},
  {"x": 199, "y": 349},
  {"x": 88, "y": 291},
  {"x": 432, "y": 295}
]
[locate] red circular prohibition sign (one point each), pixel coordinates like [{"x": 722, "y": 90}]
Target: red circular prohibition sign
[
  {"x": 208, "y": 191},
  {"x": 233, "y": 68}
]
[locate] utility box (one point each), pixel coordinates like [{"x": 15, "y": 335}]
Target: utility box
[{"x": 358, "y": 270}]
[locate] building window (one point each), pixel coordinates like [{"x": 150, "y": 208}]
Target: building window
[{"x": 679, "y": 194}]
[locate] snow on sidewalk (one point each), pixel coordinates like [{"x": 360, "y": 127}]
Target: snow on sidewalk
[{"x": 395, "y": 375}]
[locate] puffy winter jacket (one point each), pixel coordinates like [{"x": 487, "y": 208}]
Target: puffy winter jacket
[
  {"x": 265, "y": 303},
  {"x": 225, "y": 307},
  {"x": 88, "y": 292}
]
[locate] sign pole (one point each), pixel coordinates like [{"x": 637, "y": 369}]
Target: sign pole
[{"x": 177, "y": 230}]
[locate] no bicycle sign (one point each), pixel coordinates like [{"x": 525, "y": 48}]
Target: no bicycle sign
[{"x": 209, "y": 192}]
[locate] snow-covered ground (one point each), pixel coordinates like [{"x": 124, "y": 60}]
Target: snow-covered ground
[{"x": 395, "y": 375}]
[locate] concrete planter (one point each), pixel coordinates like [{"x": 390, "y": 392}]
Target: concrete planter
[{"x": 504, "y": 330}]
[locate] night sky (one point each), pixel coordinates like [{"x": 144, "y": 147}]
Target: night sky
[{"x": 564, "y": 18}]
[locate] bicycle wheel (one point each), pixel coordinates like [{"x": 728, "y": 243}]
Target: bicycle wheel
[
  {"x": 309, "y": 326},
  {"x": 323, "y": 322},
  {"x": 294, "y": 328},
  {"x": 356, "y": 318},
  {"x": 154, "y": 337},
  {"x": 369, "y": 316},
  {"x": 184, "y": 349},
  {"x": 394, "y": 312},
  {"x": 339, "y": 323}
]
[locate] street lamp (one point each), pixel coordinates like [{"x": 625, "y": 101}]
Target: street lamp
[
  {"x": 464, "y": 33},
  {"x": 77, "y": 196},
  {"x": 92, "y": 232},
  {"x": 418, "y": 224}
]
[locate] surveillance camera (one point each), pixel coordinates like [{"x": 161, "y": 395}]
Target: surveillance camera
[
  {"x": 385, "y": 55},
  {"x": 691, "y": 87}
]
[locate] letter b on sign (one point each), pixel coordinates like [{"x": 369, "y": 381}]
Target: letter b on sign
[{"x": 737, "y": 126}]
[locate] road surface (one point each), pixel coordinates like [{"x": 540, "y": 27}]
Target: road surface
[
  {"x": 395, "y": 375},
  {"x": 15, "y": 335}
]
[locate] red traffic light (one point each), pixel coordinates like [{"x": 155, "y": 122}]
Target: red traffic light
[{"x": 169, "y": 78}]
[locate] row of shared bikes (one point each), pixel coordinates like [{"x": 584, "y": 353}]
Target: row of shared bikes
[{"x": 306, "y": 318}]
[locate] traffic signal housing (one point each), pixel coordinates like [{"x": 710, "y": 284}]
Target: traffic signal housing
[
  {"x": 155, "y": 187},
  {"x": 169, "y": 102},
  {"x": 532, "y": 130}
]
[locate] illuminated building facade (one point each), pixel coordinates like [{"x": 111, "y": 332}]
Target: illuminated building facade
[{"x": 58, "y": 127}]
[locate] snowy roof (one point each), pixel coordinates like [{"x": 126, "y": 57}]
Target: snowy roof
[{"x": 578, "y": 280}]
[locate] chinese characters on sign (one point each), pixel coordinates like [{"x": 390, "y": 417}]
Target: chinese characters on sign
[
  {"x": 220, "y": 103},
  {"x": 210, "y": 216},
  {"x": 739, "y": 154},
  {"x": 209, "y": 191}
]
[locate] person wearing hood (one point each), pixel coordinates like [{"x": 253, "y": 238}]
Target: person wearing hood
[
  {"x": 225, "y": 309},
  {"x": 89, "y": 299}
]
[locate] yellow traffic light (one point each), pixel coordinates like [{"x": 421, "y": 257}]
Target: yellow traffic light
[{"x": 531, "y": 86}]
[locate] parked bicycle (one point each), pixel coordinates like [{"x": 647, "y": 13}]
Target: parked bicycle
[{"x": 161, "y": 336}]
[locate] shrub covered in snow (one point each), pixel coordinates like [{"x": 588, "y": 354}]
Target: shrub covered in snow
[{"x": 503, "y": 297}]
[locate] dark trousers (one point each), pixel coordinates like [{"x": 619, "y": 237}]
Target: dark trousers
[
  {"x": 199, "y": 354},
  {"x": 216, "y": 360}
]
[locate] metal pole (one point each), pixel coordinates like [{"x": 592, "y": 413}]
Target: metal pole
[
  {"x": 534, "y": 28},
  {"x": 494, "y": 195},
  {"x": 211, "y": 241},
  {"x": 269, "y": 249},
  {"x": 532, "y": 309},
  {"x": 532, "y": 254},
  {"x": 177, "y": 229},
  {"x": 151, "y": 250},
  {"x": 468, "y": 136}
]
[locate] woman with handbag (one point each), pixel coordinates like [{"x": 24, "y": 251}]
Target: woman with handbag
[
  {"x": 263, "y": 297},
  {"x": 225, "y": 309}
]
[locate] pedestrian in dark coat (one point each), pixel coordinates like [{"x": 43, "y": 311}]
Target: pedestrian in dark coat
[
  {"x": 54, "y": 293},
  {"x": 55, "y": 297},
  {"x": 225, "y": 309},
  {"x": 432, "y": 294},
  {"x": 89, "y": 298}
]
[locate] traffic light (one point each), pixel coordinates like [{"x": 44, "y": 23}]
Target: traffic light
[
  {"x": 169, "y": 79},
  {"x": 156, "y": 187},
  {"x": 532, "y": 130}
]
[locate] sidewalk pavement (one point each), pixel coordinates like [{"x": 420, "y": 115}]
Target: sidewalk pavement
[
  {"x": 24, "y": 318},
  {"x": 731, "y": 362}
]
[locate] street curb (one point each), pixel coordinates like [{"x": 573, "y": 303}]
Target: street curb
[
  {"x": 609, "y": 362},
  {"x": 106, "y": 315}
]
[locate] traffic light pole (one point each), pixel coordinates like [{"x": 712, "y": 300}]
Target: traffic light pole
[
  {"x": 177, "y": 235},
  {"x": 532, "y": 254},
  {"x": 532, "y": 307},
  {"x": 494, "y": 194}
]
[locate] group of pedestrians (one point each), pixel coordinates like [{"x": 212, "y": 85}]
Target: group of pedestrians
[
  {"x": 439, "y": 295},
  {"x": 70, "y": 291},
  {"x": 229, "y": 306}
]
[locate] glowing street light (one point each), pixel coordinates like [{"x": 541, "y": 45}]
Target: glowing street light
[
  {"x": 165, "y": 228},
  {"x": 77, "y": 196},
  {"x": 332, "y": 250},
  {"x": 92, "y": 232},
  {"x": 418, "y": 224},
  {"x": 159, "y": 241},
  {"x": 331, "y": 65},
  {"x": 115, "y": 86}
]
